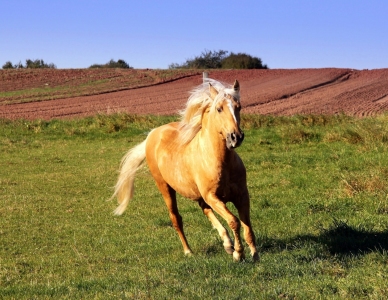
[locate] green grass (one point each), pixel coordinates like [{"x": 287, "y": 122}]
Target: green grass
[{"x": 318, "y": 188}]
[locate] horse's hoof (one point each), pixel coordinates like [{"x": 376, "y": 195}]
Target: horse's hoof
[
  {"x": 255, "y": 257},
  {"x": 188, "y": 253},
  {"x": 229, "y": 249},
  {"x": 238, "y": 256}
]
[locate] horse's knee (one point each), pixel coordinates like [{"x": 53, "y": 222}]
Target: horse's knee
[{"x": 235, "y": 224}]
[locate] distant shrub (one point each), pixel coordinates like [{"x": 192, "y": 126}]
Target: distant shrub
[
  {"x": 30, "y": 64},
  {"x": 242, "y": 61},
  {"x": 8, "y": 65},
  {"x": 19, "y": 65},
  {"x": 220, "y": 59},
  {"x": 113, "y": 64},
  {"x": 207, "y": 60},
  {"x": 39, "y": 64}
]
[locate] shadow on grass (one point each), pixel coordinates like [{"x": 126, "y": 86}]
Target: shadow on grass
[{"x": 339, "y": 239}]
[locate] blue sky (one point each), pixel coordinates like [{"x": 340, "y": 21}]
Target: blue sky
[{"x": 153, "y": 34}]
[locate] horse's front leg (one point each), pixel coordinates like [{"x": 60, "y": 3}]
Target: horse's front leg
[
  {"x": 243, "y": 206},
  {"x": 234, "y": 223},
  {"x": 208, "y": 211}
]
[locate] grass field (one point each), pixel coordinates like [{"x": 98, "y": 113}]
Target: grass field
[{"x": 318, "y": 188}]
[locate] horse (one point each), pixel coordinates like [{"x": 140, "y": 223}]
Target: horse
[{"x": 196, "y": 158}]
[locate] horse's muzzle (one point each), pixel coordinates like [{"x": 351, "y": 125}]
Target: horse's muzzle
[{"x": 233, "y": 140}]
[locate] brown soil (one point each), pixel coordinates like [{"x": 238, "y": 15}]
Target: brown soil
[{"x": 276, "y": 92}]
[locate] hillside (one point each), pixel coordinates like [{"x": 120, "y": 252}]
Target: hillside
[{"x": 47, "y": 94}]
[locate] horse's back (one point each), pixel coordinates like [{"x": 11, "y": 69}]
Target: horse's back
[
  {"x": 164, "y": 136},
  {"x": 161, "y": 139}
]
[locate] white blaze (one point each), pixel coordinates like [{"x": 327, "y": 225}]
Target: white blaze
[{"x": 230, "y": 105}]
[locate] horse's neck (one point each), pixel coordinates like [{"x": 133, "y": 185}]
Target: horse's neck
[{"x": 212, "y": 145}]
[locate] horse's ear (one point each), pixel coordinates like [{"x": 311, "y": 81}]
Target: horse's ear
[
  {"x": 213, "y": 91},
  {"x": 236, "y": 86}
]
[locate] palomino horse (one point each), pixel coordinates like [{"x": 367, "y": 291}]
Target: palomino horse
[{"x": 195, "y": 157}]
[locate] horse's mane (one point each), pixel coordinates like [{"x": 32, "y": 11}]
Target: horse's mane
[{"x": 198, "y": 102}]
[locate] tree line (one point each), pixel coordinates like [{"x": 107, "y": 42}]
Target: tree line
[
  {"x": 206, "y": 60},
  {"x": 30, "y": 64},
  {"x": 40, "y": 64}
]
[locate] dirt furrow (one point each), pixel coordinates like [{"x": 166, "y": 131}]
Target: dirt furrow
[{"x": 276, "y": 92}]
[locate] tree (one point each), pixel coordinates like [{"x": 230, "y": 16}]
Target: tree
[
  {"x": 242, "y": 61},
  {"x": 207, "y": 60},
  {"x": 113, "y": 64},
  {"x": 123, "y": 64},
  {"x": 38, "y": 64},
  {"x": 220, "y": 59},
  {"x": 8, "y": 65},
  {"x": 31, "y": 64},
  {"x": 19, "y": 65}
]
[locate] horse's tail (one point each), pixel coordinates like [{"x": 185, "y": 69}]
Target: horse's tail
[{"x": 130, "y": 163}]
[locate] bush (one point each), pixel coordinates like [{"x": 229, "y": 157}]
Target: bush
[
  {"x": 113, "y": 64},
  {"x": 207, "y": 60},
  {"x": 39, "y": 64},
  {"x": 8, "y": 65},
  {"x": 220, "y": 59},
  {"x": 242, "y": 61}
]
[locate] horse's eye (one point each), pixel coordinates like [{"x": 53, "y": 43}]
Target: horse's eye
[{"x": 219, "y": 109}]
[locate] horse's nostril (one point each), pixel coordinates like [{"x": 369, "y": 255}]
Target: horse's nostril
[{"x": 234, "y": 139}]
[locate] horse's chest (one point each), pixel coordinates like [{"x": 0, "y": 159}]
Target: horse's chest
[{"x": 227, "y": 190}]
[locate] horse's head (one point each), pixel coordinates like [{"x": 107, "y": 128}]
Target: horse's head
[{"x": 225, "y": 114}]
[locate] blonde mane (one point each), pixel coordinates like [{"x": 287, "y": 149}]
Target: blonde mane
[{"x": 198, "y": 102}]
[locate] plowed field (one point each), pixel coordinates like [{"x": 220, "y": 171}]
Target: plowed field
[{"x": 48, "y": 94}]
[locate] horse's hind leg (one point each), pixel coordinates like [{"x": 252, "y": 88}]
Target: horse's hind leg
[
  {"x": 169, "y": 196},
  {"x": 208, "y": 211}
]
